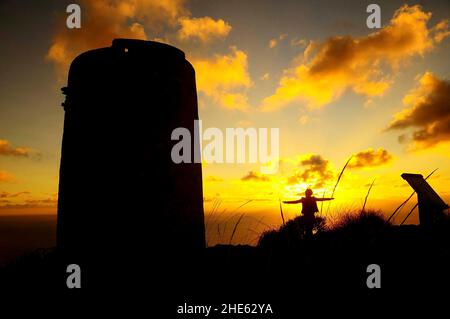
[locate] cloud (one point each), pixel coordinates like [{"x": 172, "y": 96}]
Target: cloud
[
  {"x": 208, "y": 199},
  {"x": 370, "y": 158},
  {"x": 224, "y": 79},
  {"x": 37, "y": 204},
  {"x": 274, "y": 42},
  {"x": 254, "y": 176},
  {"x": 317, "y": 171},
  {"x": 28, "y": 202},
  {"x": 427, "y": 112},
  {"x": 213, "y": 179},
  {"x": 204, "y": 29},
  {"x": 40, "y": 202},
  {"x": 298, "y": 42},
  {"x": 7, "y": 150},
  {"x": 104, "y": 20},
  {"x": 6, "y": 177},
  {"x": 327, "y": 69},
  {"x": 441, "y": 31},
  {"x": 12, "y": 195}
]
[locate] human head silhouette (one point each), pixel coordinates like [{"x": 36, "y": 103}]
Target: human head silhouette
[{"x": 308, "y": 192}]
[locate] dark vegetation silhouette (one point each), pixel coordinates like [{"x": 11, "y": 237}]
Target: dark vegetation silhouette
[{"x": 285, "y": 266}]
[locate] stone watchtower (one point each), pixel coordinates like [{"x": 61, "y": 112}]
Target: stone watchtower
[{"x": 123, "y": 203}]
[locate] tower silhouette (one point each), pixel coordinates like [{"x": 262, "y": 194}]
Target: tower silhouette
[{"x": 124, "y": 205}]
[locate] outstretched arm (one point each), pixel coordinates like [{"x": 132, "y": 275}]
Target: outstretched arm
[
  {"x": 292, "y": 201},
  {"x": 324, "y": 199}
]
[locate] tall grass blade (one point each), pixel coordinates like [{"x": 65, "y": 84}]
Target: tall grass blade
[
  {"x": 235, "y": 227},
  {"x": 239, "y": 220},
  {"x": 367, "y": 196},
  {"x": 321, "y": 203},
  {"x": 281, "y": 211},
  {"x": 410, "y": 212},
  {"x": 250, "y": 200},
  {"x": 340, "y": 175},
  {"x": 338, "y": 179}
]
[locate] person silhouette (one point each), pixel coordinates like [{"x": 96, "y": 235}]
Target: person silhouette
[{"x": 309, "y": 208}]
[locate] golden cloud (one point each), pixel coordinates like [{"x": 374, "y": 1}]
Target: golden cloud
[
  {"x": 441, "y": 31},
  {"x": 104, "y": 20},
  {"x": 428, "y": 111},
  {"x": 8, "y": 150},
  {"x": 327, "y": 69},
  {"x": 274, "y": 42},
  {"x": 370, "y": 158},
  {"x": 204, "y": 29},
  {"x": 12, "y": 195},
  {"x": 224, "y": 79}
]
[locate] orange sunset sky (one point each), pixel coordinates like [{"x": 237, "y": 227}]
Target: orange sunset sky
[{"x": 310, "y": 68}]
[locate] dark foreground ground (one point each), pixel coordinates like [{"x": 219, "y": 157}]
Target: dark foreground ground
[
  {"x": 291, "y": 273},
  {"x": 23, "y": 234}
]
